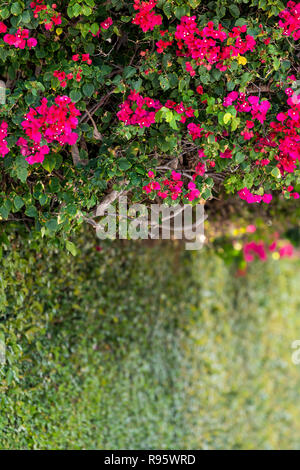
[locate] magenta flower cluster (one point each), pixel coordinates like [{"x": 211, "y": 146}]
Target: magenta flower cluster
[
  {"x": 3, "y": 143},
  {"x": 55, "y": 123},
  {"x": 290, "y": 20},
  {"x": 20, "y": 39},
  {"x": 251, "y": 198},
  {"x": 146, "y": 17},
  {"x": 141, "y": 111},
  {"x": 207, "y": 45}
]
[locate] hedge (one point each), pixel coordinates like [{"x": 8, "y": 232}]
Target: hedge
[{"x": 108, "y": 350}]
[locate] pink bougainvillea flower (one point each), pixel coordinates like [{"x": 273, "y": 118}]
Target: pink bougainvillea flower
[
  {"x": 251, "y": 198},
  {"x": 106, "y": 23},
  {"x": 267, "y": 198},
  {"x": 54, "y": 123},
  {"x": 191, "y": 185},
  {"x": 32, "y": 42},
  {"x": 46, "y": 14},
  {"x": 251, "y": 228},
  {"x": 9, "y": 39},
  {"x": 146, "y": 18},
  {"x": 144, "y": 112},
  {"x": 86, "y": 58},
  {"x": 4, "y": 150},
  {"x": 293, "y": 114},
  {"x": 247, "y": 134},
  {"x": 162, "y": 194},
  {"x": 20, "y": 39},
  {"x": 281, "y": 117},
  {"x": 199, "y": 170},
  {"x": 195, "y": 130},
  {"x": 201, "y": 153},
  {"x": 34, "y": 153},
  {"x": 147, "y": 189},
  {"x": 286, "y": 251},
  {"x": 189, "y": 68},
  {"x": 290, "y": 20},
  {"x": 252, "y": 249},
  {"x": 226, "y": 154},
  {"x": 176, "y": 176},
  {"x": 193, "y": 194},
  {"x": 3, "y": 27},
  {"x": 162, "y": 45},
  {"x": 289, "y": 91}
]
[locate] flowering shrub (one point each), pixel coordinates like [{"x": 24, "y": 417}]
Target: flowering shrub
[
  {"x": 252, "y": 250},
  {"x": 184, "y": 101},
  {"x": 20, "y": 39},
  {"x": 242, "y": 244},
  {"x": 290, "y": 21}
]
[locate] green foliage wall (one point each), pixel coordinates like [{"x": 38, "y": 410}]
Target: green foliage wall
[{"x": 145, "y": 348}]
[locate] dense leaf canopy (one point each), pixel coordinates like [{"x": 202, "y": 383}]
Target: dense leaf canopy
[{"x": 177, "y": 100}]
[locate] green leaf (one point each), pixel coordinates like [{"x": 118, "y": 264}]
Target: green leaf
[
  {"x": 71, "y": 248},
  {"x": 240, "y": 157},
  {"x": 164, "y": 82},
  {"x": 221, "y": 118},
  {"x": 49, "y": 163},
  {"x": 52, "y": 225},
  {"x": 181, "y": 11},
  {"x": 5, "y": 209},
  {"x": 124, "y": 164},
  {"x": 75, "y": 95},
  {"x": 87, "y": 11},
  {"x": 194, "y": 3},
  {"x": 77, "y": 9},
  {"x": 22, "y": 173},
  {"x": 95, "y": 28},
  {"x": 235, "y": 122},
  {"x": 241, "y": 22},
  {"x": 234, "y": 10},
  {"x": 16, "y": 9},
  {"x": 4, "y": 13},
  {"x": 31, "y": 212},
  {"x": 129, "y": 72},
  {"x": 206, "y": 194},
  {"x": 26, "y": 17},
  {"x": 88, "y": 89},
  {"x": 167, "y": 10},
  {"x": 18, "y": 202},
  {"x": 276, "y": 173},
  {"x": 227, "y": 117}
]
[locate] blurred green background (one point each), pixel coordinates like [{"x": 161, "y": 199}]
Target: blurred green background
[{"x": 146, "y": 346}]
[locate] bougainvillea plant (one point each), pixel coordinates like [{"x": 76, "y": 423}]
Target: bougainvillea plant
[{"x": 170, "y": 101}]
